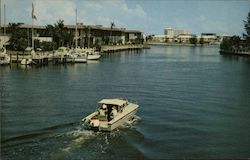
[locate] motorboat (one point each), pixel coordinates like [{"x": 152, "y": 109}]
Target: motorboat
[
  {"x": 111, "y": 114},
  {"x": 26, "y": 61},
  {"x": 4, "y": 58}
]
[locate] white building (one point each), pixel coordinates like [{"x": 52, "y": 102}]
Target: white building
[
  {"x": 181, "y": 31},
  {"x": 209, "y": 37},
  {"x": 159, "y": 38},
  {"x": 175, "y": 32},
  {"x": 169, "y": 32},
  {"x": 185, "y": 37}
]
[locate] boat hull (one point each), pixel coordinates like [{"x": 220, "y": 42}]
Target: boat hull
[
  {"x": 26, "y": 61},
  {"x": 104, "y": 125},
  {"x": 119, "y": 122},
  {"x": 80, "y": 60},
  {"x": 94, "y": 57},
  {"x": 4, "y": 62}
]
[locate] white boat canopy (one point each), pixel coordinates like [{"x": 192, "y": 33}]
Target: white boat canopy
[{"x": 117, "y": 102}]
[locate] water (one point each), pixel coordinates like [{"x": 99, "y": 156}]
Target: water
[{"x": 194, "y": 103}]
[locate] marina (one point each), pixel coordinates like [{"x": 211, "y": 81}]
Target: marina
[{"x": 64, "y": 55}]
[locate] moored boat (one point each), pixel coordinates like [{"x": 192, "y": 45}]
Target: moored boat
[
  {"x": 4, "y": 58},
  {"x": 79, "y": 55},
  {"x": 111, "y": 114},
  {"x": 92, "y": 54},
  {"x": 26, "y": 61}
]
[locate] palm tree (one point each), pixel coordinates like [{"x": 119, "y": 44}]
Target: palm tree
[
  {"x": 18, "y": 39},
  {"x": 59, "y": 29},
  {"x": 247, "y": 28},
  {"x": 112, "y": 25}
]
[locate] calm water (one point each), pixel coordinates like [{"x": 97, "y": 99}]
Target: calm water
[{"x": 194, "y": 103}]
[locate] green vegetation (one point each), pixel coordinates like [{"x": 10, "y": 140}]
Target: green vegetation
[
  {"x": 236, "y": 43},
  {"x": 193, "y": 40},
  {"x": 20, "y": 38},
  {"x": 202, "y": 41},
  {"x": 60, "y": 35}
]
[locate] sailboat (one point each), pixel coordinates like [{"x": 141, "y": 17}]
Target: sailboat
[
  {"x": 28, "y": 60},
  {"x": 79, "y": 55},
  {"x": 4, "y": 57},
  {"x": 92, "y": 54}
]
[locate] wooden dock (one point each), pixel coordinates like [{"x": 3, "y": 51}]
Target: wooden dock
[
  {"x": 40, "y": 59},
  {"x": 44, "y": 58},
  {"x": 235, "y": 52},
  {"x": 111, "y": 49}
]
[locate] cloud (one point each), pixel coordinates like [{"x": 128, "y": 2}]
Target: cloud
[
  {"x": 48, "y": 12},
  {"x": 104, "y": 12},
  {"x": 89, "y": 12}
]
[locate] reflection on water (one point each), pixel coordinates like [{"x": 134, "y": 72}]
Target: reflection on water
[{"x": 194, "y": 103}]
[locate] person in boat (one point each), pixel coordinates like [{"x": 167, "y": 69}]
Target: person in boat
[
  {"x": 103, "y": 110},
  {"x": 113, "y": 113}
]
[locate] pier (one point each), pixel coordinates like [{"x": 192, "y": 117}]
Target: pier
[
  {"x": 112, "y": 49},
  {"x": 40, "y": 59},
  {"x": 235, "y": 52},
  {"x": 44, "y": 58}
]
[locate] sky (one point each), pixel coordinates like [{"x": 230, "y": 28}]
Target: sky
[{"x": 149, "y": 16}]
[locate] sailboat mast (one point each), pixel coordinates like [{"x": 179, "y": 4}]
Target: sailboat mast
[
  {"x": 32, "y": 34},
  {"x": 0, "y": 16},
  {"x": 4, "y": 22},
  {"x": 76, "y": 29}
]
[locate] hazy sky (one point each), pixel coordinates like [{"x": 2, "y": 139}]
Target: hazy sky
[{"x": 149, "y": 16}]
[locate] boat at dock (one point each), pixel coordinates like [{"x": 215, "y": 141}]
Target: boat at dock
[
  {"x": 26, "y": 61},
  {"x": 61, "y": 52},
  {"x": 111, "y": 114},
  {"x": 92, "y": 54},
  {"x": 4, "y": 57},
  {"x": 79, "y": 55}
]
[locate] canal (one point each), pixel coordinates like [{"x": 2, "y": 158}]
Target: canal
[{"x": 194, "y": 103}]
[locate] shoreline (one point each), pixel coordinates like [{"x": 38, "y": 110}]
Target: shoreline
[
  {"x": 179, "y": 44},
  {"x": 237, "y": 53},
  {"x": 104, "y": 49}
]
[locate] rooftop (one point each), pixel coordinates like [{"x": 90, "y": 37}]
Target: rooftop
[
  {"x": 115, "y": 101},
  {"x": 81, "y": 26}
]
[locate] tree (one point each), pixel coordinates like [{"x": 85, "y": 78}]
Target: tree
[
  {"x": 193, "y": 40},
  {"x": 18, "y": 39},
  {"x": 231, "y": 43},
  {"x": 49, "y": 30},
  {"x": 46, "y": 46},
  {"x": 201, "y": 41},
  {"x": 112, "y": 25},
  {"x": 166, "y": 40},
  {"x": 247, "y": 35},
  {"x": 247, "y": 26},
  {"x": 149, "y": 38},
  {"x": 60, "y": 35}
]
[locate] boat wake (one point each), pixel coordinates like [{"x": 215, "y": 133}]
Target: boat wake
[
  {"x": 77, "y": 138},
  {"x": 131, "y": 122}
]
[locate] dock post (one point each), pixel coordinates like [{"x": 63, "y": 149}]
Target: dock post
[
  {"x": 10, "y": 59},
  {"x": 17, "y": 58}
]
